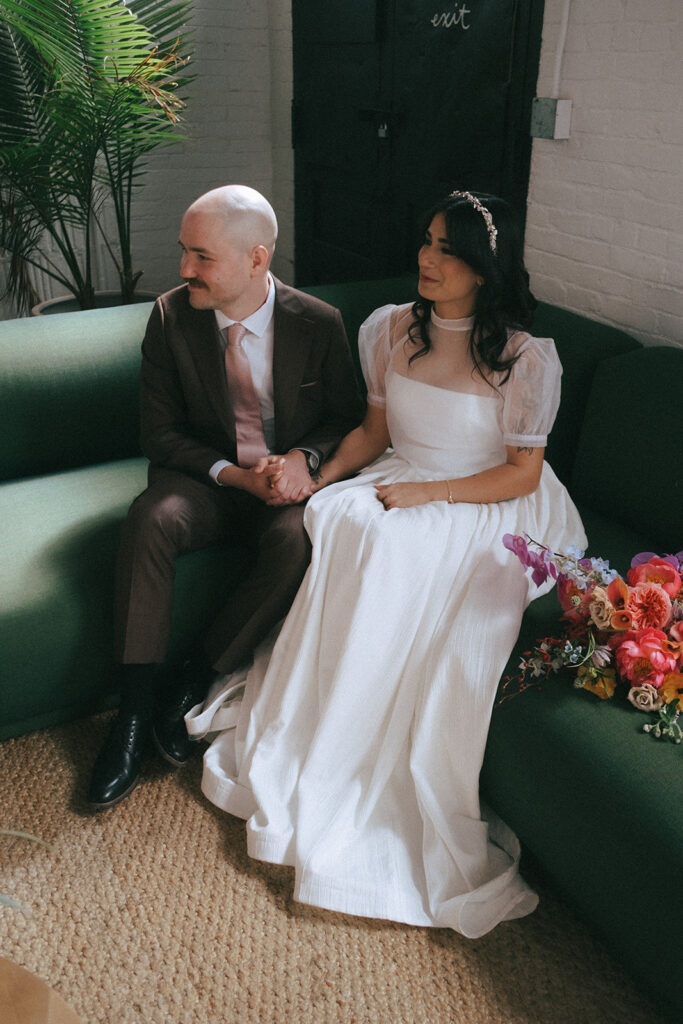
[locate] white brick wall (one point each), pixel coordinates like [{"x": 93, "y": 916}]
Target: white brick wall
[
  {"x": 605, "y": 214},
  {"x": 243, "y": 73},
  {"x": 282, "y": 194}
]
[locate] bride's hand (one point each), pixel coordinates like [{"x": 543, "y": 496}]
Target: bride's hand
[{"x": 404, "y": 495}]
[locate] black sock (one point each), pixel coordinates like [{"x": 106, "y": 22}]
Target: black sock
[
  {"x": 198, "y": 671},
  {"x": 137, "y": 689}
]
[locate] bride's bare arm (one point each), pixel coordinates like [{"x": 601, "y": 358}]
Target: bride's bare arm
[
  {"x": 518, "y": 475},
  {"x": 357, "y": 449}
]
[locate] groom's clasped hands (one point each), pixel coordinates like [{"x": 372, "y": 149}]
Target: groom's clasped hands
[{"x": 286, "y": 478}]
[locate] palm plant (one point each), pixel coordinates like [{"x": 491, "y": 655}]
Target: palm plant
[{"x": 88, "y": 88}]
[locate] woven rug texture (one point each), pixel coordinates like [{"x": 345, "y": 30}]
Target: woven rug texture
[{"x": 152, "y": 913}]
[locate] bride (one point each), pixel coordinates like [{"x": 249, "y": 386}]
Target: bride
[{"x": 353, "y": 744}]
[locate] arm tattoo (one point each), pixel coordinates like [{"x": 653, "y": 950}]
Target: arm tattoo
[{"x": 529, "y": 451}]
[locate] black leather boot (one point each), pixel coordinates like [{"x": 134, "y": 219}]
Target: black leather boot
[
  {"x": 169, "y": 730},
  {"x": 117, "y": 768}
]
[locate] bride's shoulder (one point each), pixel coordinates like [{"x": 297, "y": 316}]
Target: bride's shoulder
[
  {"x": 388, "y": 317},
  {"x": 528, "y": 349}
]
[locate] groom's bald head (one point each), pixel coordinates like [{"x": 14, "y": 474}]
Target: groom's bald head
[{"x": 246, "y": 216}]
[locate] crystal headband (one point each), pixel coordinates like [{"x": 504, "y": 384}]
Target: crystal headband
[{"x": 486, "y": 214}]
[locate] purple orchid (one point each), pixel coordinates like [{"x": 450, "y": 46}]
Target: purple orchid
[
  {"x": 645, "y": 556},
  {"x": 540, "y": 563}
]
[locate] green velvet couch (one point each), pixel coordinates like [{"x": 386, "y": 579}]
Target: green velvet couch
[{"x": 597, "y": 804}]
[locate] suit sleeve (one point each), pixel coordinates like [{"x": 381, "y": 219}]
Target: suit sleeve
[{"x": 167, "y": 438}]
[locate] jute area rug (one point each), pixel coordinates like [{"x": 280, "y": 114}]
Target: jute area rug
[{"x": 152, "y": 913}]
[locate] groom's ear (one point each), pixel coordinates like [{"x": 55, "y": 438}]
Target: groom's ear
[{"x": 260, "y": 260}]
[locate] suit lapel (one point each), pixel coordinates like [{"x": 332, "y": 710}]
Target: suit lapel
[
  {"x": 200, "y": 331},
  {"x": 292, "y": 337}
]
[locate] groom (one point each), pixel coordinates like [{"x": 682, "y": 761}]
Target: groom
[{"x": 235, "y": 367}]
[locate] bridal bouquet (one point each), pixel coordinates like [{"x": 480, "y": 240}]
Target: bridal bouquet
[{"x": 618, "y": 636}]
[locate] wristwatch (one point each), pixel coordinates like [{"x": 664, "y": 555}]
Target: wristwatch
[{"x": 312, "y": 459}]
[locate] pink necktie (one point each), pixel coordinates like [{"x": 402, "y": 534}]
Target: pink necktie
[{"x": 251, "y": 443}]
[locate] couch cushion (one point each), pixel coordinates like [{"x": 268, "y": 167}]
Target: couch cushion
[
  {"x": 60, "y": 538},
  {"x": 69, "y": 385},
  {"x": 628, "y": 458},
  {"x": 597, "y": 802}
]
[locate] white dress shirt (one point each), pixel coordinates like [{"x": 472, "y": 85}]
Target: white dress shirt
[{"x": 258, "y": 347}]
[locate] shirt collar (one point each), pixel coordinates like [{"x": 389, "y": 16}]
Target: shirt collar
[{"x": 257, "y": 323}]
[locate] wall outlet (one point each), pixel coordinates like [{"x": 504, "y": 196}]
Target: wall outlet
[{"x": 550, "y": 118}]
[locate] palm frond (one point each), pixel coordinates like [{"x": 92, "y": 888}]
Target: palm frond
[
  {"x": 89, "y": 88},
  {"x": 22, "y": 86}
]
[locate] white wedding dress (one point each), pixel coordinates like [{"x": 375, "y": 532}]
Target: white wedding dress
[{"x": 353, "y": 746}]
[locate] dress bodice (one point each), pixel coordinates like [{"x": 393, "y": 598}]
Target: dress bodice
[
  {"x": 444, "y": 415},
  {"x": 450, "y": 433}
]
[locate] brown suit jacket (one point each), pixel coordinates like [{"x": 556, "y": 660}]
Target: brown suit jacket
[{"x": 186, "y": 417}]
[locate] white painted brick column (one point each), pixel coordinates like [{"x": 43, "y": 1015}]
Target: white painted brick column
[
  {"x": 238, "y": 118},
  {"x": 605, "y": 213}
]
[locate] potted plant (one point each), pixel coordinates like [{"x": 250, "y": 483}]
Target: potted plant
[{"x": 88, "y": 88}]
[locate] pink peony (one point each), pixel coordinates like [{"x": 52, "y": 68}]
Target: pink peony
[
  {"x": 649, "y": 605},
  {"x": 676, "y": 640},
  {"x": 643, "y": 656},
  {"x": 647, "y": 556},
  {"x": 676, "y": 631},
  {"x": 657, "y": 570}
]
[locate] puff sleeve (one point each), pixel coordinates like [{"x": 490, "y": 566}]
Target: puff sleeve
[
  {"x": 531, "y": 395},
  {"x": 374, "y": 349}
]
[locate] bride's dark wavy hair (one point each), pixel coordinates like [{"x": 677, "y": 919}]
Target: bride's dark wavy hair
[{"x": 504, "y": 300}]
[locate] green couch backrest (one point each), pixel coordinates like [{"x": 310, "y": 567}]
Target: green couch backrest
[
  {"x": 628, "y": 461},
  {"x": 69, "y": 389},
  {"x": 581, "y": 345},
  {"x": 69, "y": 382},
  {"x": 357, "y": 300}
]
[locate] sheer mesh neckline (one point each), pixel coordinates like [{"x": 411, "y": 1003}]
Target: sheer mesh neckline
[
  {"x": 447, "y": 365},
  {"x": 464, "y": 323}
]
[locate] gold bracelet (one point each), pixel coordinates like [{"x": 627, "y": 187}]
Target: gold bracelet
[{"x": 451, "y": 499}]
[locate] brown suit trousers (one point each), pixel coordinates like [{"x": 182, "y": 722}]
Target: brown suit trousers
[{"x": 177, "y": 514}]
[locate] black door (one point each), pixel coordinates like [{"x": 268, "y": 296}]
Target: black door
[{"x": 395, "y": 103}]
